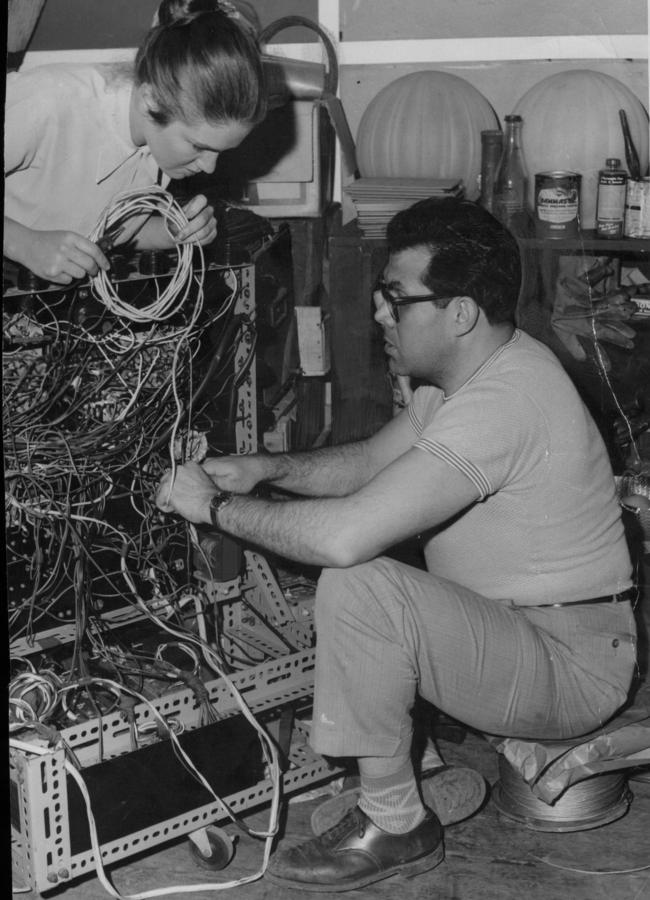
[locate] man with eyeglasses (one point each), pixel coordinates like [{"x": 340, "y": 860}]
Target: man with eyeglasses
[{"x": 520, "y": 624}]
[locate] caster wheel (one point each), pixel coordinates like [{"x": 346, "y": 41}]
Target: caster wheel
[{"x": 212, "y": 850}]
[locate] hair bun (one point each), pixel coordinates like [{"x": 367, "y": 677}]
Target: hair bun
[{"x": 171, "y": 11}]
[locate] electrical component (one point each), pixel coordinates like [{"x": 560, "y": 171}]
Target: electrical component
[{"x": 141, "y": 653}]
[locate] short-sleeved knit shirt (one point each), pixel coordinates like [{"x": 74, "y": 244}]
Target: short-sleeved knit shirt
[
  {"x": 547, "y": 526},
  {"x": 68, "y": 145}
]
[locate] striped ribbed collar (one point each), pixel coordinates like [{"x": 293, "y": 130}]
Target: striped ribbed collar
[{"x": 516, "y": 334}]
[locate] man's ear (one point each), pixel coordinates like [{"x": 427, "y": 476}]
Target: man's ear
[{"x": 466, "y": 313}]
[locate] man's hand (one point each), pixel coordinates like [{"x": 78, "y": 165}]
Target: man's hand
[
  {"x": 238, "y": 474},
  {"x": 202, "y": 225},
  {"x": 189, "y": 493}
]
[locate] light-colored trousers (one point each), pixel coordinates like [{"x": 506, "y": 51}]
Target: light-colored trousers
[{"x": 386, "y": 631}]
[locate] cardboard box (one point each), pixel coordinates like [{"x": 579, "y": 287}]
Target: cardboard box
[{"x": 285, "y": 166}]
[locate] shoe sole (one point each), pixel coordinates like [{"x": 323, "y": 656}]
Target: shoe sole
[
  {"x": 407, "y": 870},
  {"x": 453, "y": 794}
]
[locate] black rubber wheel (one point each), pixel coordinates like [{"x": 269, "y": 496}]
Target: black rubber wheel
[{"x": 222, "y": 850}]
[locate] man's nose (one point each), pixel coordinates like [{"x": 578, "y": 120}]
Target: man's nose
[{"x": 382, "y": 312}]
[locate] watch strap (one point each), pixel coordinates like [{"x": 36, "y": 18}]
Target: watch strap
[{"x": 216, "y": 504}]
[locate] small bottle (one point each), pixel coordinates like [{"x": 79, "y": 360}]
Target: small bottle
[
  {"x": 610, "y": 204},
  {"x": 511, "y": 182},
  {"x": 491, "y": 150}
]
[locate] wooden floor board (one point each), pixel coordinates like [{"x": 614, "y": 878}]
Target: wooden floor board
[{"x": 488, "y": 857}]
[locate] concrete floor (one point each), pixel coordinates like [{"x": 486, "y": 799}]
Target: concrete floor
[{"x": 487, "y": 857}]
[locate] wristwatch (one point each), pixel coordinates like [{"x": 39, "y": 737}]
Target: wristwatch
[{"x": 217, "y": 503}]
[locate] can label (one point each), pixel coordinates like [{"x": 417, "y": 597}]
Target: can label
[
  {"x": 557, "y": 204},
  {"x": 637, "y": 209},
  {"x": 610, "y": 205}
]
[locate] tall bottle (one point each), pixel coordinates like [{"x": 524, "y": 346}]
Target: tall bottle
[
  {"x": 610, "y": 203},
  {"x": 491, "y": 150},
  {"x": 511, "y": 182}
]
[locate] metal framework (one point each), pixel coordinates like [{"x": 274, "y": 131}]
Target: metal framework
[
  {"x": 41, "y": 844},
  {"x": 252, "y": 612}
]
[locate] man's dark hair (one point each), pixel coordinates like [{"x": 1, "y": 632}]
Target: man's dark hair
[{"x": 472, "y": 254}]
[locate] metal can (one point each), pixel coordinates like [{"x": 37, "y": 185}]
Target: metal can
[
  {"x": 557, "y": 204},
  {"x": 637, "y": 209}
]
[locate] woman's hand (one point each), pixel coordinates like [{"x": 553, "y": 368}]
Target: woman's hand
[
  {"x": 59, "y": 257},
  {"x": 157, "y": 234},
  {"x": 202, "y": 225}
]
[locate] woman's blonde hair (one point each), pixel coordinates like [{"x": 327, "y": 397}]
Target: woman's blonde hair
[{"x": 202, "y": 61}]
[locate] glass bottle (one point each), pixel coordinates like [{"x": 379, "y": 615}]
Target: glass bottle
[
  {"x": 491, "y": 150},
  {"x": 511, "y": 182},
  {"x": 610, "y": 202}
]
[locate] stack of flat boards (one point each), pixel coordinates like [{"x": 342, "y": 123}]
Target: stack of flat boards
[{"x": 378, "y": 199}]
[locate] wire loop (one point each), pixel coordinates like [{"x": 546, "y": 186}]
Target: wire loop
[{"x": 145, "y": 202}]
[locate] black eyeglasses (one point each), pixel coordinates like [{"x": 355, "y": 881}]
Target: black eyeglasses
[{"x": 393, "y": 303}]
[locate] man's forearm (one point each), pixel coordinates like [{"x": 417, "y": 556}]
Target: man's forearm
[
  {"x": 327, "y": 472},
  {"x": 305, "y": 531}
]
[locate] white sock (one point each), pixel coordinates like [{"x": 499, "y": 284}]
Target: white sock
[{"x": 391, "y": 801}]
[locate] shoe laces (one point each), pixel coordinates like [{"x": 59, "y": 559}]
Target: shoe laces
[{"x": 354, "y": 819}]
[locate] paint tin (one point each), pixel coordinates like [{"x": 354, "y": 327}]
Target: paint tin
[
  {"x": 637, "y": 209},
  {"x": 557, "y": 204}
]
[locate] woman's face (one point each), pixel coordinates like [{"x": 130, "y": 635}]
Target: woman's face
[
  {"x": 179, "y": 148},
  {"x": 182, "y": 150}
]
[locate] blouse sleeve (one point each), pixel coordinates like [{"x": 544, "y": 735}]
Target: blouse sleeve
[{"x": 28, "y": 108}]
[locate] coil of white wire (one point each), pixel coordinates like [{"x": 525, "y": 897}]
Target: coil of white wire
[
  {"x": 595, "y": 801},
  {"x": 145, "y": 202}
]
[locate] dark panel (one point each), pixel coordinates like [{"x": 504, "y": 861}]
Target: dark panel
[
  {"x": 87, "y": 24},
  {"x": 361, "y": 392},
  {"x": 151, "y": 785}
]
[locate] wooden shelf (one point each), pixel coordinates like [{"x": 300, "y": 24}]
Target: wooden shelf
[{"x": 588, "y": 240}]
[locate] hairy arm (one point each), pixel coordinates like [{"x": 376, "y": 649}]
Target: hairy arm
[
  {"x": 415, "y": 492},
  {"x": 327, "y": 472}
]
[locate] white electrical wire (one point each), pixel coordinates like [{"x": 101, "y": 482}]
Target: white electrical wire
[
  {"x": 178, "y": 889},
  {"x": 170, "y": 301},
  {"x": 145, "y": 202},
  {"x": 25, "y": 692},
  {"x": 270, "y": 753}
]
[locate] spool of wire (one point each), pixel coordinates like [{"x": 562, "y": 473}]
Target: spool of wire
[{"x": 587, "y": 804}]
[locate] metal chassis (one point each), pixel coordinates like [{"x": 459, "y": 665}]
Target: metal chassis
[
  {"x": 41, "y": 852},
  {"x": 41, "y": 855}
]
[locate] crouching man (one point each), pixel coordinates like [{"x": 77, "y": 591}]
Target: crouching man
[{"x": 521, "y": 624}]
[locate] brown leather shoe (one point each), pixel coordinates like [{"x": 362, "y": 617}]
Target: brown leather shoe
[{"x": 355, "y": 852}]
